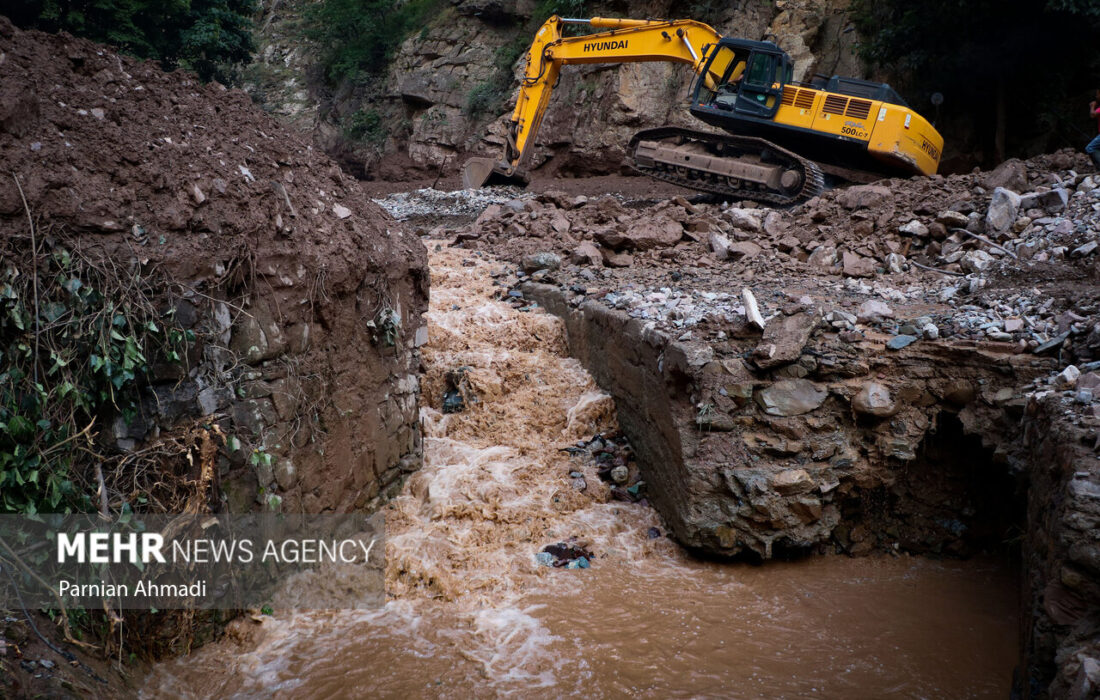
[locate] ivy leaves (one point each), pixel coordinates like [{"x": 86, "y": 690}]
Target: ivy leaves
[{"x": 75, "y": 344}]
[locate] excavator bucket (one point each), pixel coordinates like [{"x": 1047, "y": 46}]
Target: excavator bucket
[
  {"x": 476, "y": 172},
  {"x": 479, "y": 172}
]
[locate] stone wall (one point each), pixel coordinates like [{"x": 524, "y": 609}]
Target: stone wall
[
  {"x": 1061, "y": 585},
  {"x": 853, "y": 451},
  {"x": 796, "y": 456}
]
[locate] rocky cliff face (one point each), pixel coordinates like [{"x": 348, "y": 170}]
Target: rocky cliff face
[{"x": 428, "y": 95}]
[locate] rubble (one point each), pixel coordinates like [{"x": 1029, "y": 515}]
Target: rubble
[
  {"x": 870, "y": 251},
  {"x": 429, "y": 202}
]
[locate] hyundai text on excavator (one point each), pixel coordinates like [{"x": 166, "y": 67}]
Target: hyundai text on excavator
[{"x": 781, "y": 136}]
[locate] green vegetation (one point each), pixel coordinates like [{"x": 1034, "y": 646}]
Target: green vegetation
[
  {"x": 77, "y": 339},
  {"x": 488, "y": 96},
  {"x": 206, "y": 36},
  {"x": 359, "y": 37},
  {"x": 366, "y": 126},
  {"x": 561, "y": 8},
  {"x": 1007, "y": 66}
]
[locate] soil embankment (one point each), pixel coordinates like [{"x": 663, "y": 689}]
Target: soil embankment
[{"x": 301, "y": 301}]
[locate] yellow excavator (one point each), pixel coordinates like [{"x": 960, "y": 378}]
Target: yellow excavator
[{"x": 780, "y": 138}]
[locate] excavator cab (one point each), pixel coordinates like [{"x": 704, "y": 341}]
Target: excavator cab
[{"x": 742, "y": 77}]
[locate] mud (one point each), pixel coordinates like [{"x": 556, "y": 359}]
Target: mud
[{"x": 275, "y": 257}]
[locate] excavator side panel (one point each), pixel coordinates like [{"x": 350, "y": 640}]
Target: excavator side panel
[
  {"x": 846, "y": 118},
  {"x": 900, "y": 135},
  {"x": 799, "y": 107}
]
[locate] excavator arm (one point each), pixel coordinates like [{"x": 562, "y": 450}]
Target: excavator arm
[{"x": 626, "y": 41}]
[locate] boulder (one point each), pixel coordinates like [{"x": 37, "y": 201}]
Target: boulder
[
  {"x": 743, "y": 249},
  {"x": 784, "y": 339},
  {"x": 976, "y": 261},
  {"x": 865, "y": 197},
  {"x": 1011, "y": 174},
  {"x": 915, "y": 228},
  {"x": 823, "y": 258},
  {"x": 1068, "y": 377},
  {"x": 752, "y": 310},
  {"x": 952, "y": 219},
  {"x": 901, "y": 341},
  {"x": 959, "y": 392},
  {"x": 791, "y": 397},
  {"x": 858, "y": 266},
  {"x": 744, "y": 219},
  {"x": 874, "y": 400},
  {"x": 1088, "y": 380},
  {"x": 788, "y": 244},
  {"x": 643, "y": 235},
  {"x": 790, "y": 482},
  {"x": 874, "y": 310},
  {"x": 1084, "y": 250},
  {"x": 540, "y": 261},
  {"x": 613, "y": 259},
  {"x": 586, "y": 254},
  {"x": 1052, "y": 201},
  {"x": 719, "y": 245},
  {"x": 774, "y": 223},
  {"x": 1002, "y": 211}
]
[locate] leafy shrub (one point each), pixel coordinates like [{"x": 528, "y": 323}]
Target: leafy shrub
[
  {"x": 561, "y": 8},
  {"x": 76, "y": 343},
  {"x": 366, "y": 125},
  {"x": 359, "y": 37},
  {"x": 207, "y": 36},
  {"x": 488, "y": 96}
]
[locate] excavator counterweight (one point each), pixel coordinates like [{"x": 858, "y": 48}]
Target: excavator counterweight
[{"x": 776, "y": 138}]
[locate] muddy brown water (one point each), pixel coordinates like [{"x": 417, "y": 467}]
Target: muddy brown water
[{"x": 472, "y": 614}]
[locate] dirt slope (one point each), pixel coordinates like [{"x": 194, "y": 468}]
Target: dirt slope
[{"x": 304, "y": 297}]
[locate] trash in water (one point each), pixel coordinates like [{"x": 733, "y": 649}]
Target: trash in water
[
  {"x": 458, "y": 393},
  {"x": 569, "y": 554},
  {"x": 453, "y": 402}
]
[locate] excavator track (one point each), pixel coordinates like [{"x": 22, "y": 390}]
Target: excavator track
[{"x": 740, "y": 167}]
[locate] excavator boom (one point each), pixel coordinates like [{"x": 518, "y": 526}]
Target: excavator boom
[{"x": 626, "y": 41}]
